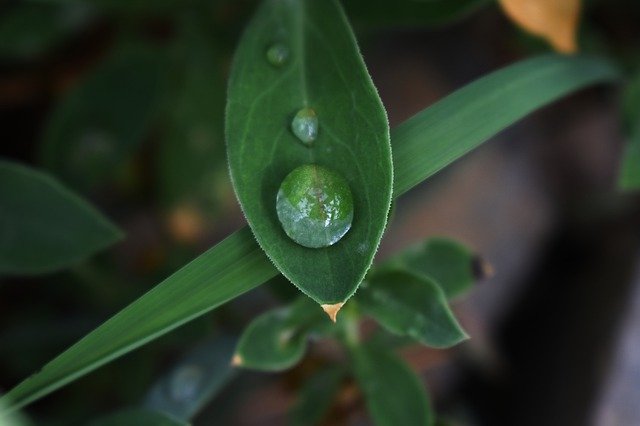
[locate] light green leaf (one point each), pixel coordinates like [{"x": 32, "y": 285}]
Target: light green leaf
[
  {"x": 137, "y": 417},
  {"x": 451, "y": 265},
  {"x": 197, "y": 378},
  {"x": 44, "y": 226},
  {"x": 325, "y": 72},
  {"x": 95, "y": 129},
  {"x": 421, "y": 146},
  {"x": 411, "y": 305},
  {"x": 394, "y": 394},
  {"x": 231, "y": 268},
  {"x": 411, "y": 12},
  {"x": 316, "y": 396},
  {"x": 277, "y": 339},
  {"x": 439, "y": 135}
]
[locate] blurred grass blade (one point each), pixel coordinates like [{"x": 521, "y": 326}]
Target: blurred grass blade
[
  {"x": 197, "y": 379},
  {"x": 423, "y": 145},
  {"x": 629, "y": 178},
  {"x": 441, "y": 134},
  {"x": 229, "y": 269},
  {"x": 137, "y": 417},
  {"x": 394, "y": 394},
  {"x": 44, "y": 226}
]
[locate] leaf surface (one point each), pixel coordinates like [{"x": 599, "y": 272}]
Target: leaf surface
[
  {"x": 137, "y": 417},
  {"x": 325, "y": 72},
  {"x": 44, "y": 226},
  {"x": 411, "y": 305}
]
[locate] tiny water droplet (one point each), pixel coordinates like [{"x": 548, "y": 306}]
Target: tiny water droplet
[
  {"x": 315, "y": 206},
  {"x": 305, "y": 126},
  {"x": 277, "y": 54},
  {"x": 185, "y": 383}
]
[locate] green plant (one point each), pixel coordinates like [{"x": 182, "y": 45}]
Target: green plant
[{"x": 295, "y": 55}]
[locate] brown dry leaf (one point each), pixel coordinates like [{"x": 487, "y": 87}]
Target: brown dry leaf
[{"x": 554, "y": 20}]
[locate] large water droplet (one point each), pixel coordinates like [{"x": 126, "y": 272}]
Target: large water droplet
[
  {"x": 315, "y": 206},
  {"x": 277, "y": 54},
  {"x": 305, "y": 125}
]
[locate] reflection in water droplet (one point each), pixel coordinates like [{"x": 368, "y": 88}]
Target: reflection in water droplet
[
  {"x": 185, "y": 383},
  {"x": 315, "y": 206},
  {"x": 305, "y": 125},
  {"x": 277, "y": 54}
]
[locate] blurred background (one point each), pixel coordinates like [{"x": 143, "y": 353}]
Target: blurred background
[{"x": 123, "y": 101}]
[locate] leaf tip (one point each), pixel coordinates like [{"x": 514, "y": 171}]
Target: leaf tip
[
  {"x": 332, "y": 310},
  {"x": 236, "y": 361}
]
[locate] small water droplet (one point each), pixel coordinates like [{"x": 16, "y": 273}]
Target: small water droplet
[
  {"x": 305, "y": 126},
  {"x": 315, "y": 206},
  {"x": 277, "y": 54},
  {"x": 185, "y": 383}
]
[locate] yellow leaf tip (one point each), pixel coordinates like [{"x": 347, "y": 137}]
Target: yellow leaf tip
[
  {"x": 332, "y": 310},
  {"x": 236, "y": 361}
]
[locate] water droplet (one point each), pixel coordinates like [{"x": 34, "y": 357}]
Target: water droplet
[
  {"x": 277, "y": 54},
  {"x": 305, "y": 125},
  {"x": 185, "y": 383},
  {"x": 315, "y": 206}
]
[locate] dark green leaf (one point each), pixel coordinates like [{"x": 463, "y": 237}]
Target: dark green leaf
[
  {"x": 231, "y": 268},
  {"x": 451, "y": 265},
  {"x": 277, "y": 339},
  {"x": 394, "y": 394},
  {"x": 44, "y": 226},
  {"x": 316, "y": 396},
  {"x": 422, "y": 147},
  {"x": 629, "y": 178},
  {"x": 95, "y": 129},
  {"x": 324, "y": 71},
  {"x": 410, "y": 12},
  {"x": 439, "y": 135},
  {"x": 411, "y": 305},
  {"x": 29, "y": 29},
  {"x": 191, "y": 158},
  {"x": 198, "y": 377},
  {"x": 137, "y": 417}
]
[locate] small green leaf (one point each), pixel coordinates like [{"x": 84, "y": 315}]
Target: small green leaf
[
  {"x": 99, "y": 124},
  {"x": 448, "y": 263},
  {"x": 317, "y": 107},
  {"x": 316, "y": 396},
  {"x": 277, "y": 339},
  {"x": 44, "y": 226},
  {"x": 411, "y": 12},
  {"x": 197, "y": 378},
  {"x": 411, "y": 305},
  {"x": 137, "y": 417},
  {"x": 629, "y": 179},
  {"x": 394, "y": 394}
]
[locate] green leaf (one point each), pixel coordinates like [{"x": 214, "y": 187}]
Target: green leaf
[
  {"x": 136, "y": 417},
  {"x": 325, "y": 72},
  {"x": 198, "y": 377},
  {"x": 191, "y": 159},
  {"x": 44, "y": 226},
  {"x": 411, "y": 12},
  {"x": 231, "y": 268},
  {"x": 439, "y": 135},
  {"x": 629, "y": 178},
  {"x": 316, "y": 396},
  {"x": 393, "y": 393},
  {"x": 451, "y": 265},
  {"x": 421, "y": 147},
  {"x": 98, "y": 125},
  {"x": 28, "y": 30},
  {"x": 411, "y": 305},
  {"x": 277, "y": 339}
]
